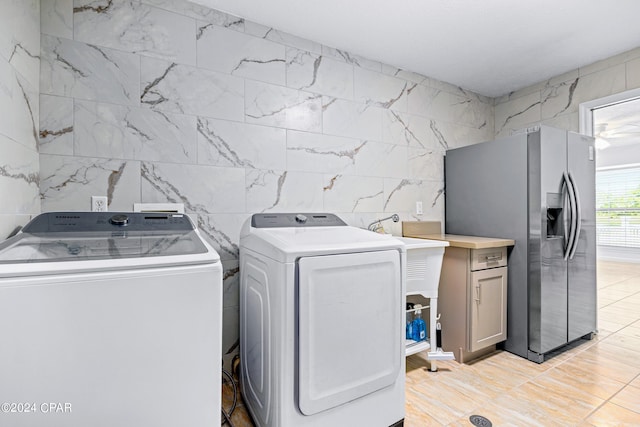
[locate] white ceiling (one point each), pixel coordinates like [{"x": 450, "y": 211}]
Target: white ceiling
[{"x": 491, "y": 47}]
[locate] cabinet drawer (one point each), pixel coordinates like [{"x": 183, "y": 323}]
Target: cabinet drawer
[{"x": 481, "y": 259}]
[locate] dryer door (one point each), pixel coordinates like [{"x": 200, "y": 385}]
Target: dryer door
[{"x": 349, "y": 326}]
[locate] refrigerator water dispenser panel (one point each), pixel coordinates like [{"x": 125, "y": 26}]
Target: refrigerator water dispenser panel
[{"x": 555, "y": 223}]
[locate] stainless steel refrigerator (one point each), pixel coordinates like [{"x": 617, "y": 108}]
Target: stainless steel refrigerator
[{"x": 537, "y": 188}]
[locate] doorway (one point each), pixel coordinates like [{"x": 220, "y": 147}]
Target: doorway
[{"x": 615, "y": 123}]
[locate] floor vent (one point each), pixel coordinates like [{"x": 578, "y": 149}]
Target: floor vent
[{"x": 480, "y": 421}]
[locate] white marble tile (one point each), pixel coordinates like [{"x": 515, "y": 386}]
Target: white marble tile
[
  {"x": 570, "y": 122},
  {"x": 67, "y": 183},
  {"x": 56, "y": 18},
  {"x": 282, "y": 191},
  {"x": 405, "y": 74},
  {"x": 281, "y": 37},
  {"x": 528, "y": 90},
  {"x": 231, "y": 282},
  {"x": 20, "y": 37},
  {"x": 566, "y": 97},
  {"x": 351, "y": 119},
  {"x": 19, "y": 178},
  {"x": 179, "y": 88},
  {"x": 611, "y": 62},
  {"x": 513, "y": 114},
  {"x": 599, "y": 84},
  {"x": 557, "y": 99},
  {"x": 352, "y": 59},
  {"x": 56, "y": 125},
  {"x": 224, "y": 143},
  {"x": 26, "y": 113},
  {"x": 7, "y": 95},
  {"x": 379, "y": 159},
  {"x": 416, "y": 132},
  {"x": 315, "y": 152},
  {"x": 136, "y": 27},
  {"x": 429, "y": 102},
  {"x": 471, "y": 111},
  {"x": 380, "y": 90},
  {"x": 406, "y": 129},
  {"x": 223, "y": 232},
  {"x": 19, "y": 107},
  {"x": 568, "y": 76},
  {"x": 202, "y": 189},
  {"x": 197, "y": 11},
  {"x": 239, "y": 54},
  {"x": 401, "y": 195},
  {"x": 443, "y": 134},
  {"x": 319, "y": 73},
  {"x": 277, "y": 106},
  {"x": 115, "y": 131},
  {"x": 70, "y": 68},
  {"x": 461, "y": 136},
  {"x": 633, "y": 74},
  {"x": 256, "y": 29},
  {"x": 425, "y": 164},
  {"x": 444, "y": 86},
  {"x": 348, "y": 193}
]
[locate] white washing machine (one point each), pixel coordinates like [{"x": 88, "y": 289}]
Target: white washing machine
[
  {"x": 110, "y": 319},
  {"x": 321, "y": 322}
]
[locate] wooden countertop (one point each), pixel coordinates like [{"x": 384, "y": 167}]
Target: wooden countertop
[{"x": 469, "y": 242}]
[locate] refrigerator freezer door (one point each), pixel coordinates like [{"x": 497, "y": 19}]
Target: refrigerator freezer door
[
  {"x": 582, "y": 266},
  {"x": 547, "y": 267}
]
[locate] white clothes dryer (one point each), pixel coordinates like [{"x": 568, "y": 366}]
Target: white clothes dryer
[
  {"x": 321, "y": 322},
  {"x": 110, "y": 319}
]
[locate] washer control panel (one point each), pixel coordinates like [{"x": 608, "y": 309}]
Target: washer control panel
[
  {"x": 56, "y": 222},
  {"x": 273, "y": 220}
]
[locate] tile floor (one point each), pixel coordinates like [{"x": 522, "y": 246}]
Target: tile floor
[{"x": 594, "y": 383}]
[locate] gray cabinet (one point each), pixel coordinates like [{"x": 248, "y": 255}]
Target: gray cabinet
[
  {"x": 487, "y": 308},
  {"x": 473, "y": 300}
]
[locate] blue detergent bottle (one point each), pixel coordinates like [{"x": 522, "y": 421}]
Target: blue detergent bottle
[
  {"x": 418, "y": 328},
  {"x": 409, "y": 327}
]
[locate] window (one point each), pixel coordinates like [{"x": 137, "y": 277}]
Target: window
[{"x": 618, "y": 207}]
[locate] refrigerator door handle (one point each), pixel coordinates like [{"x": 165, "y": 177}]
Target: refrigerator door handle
[
  {"x": 572, "y": 212},
  {"x": 578, "y": 210}
]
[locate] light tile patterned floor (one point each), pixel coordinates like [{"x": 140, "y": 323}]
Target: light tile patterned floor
[{"x": 594, "y": 383}]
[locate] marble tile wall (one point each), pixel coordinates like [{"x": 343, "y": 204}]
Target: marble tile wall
[
  {"x": 555, "y": 102},
  {"x": 19, "y": 89},
  {"x": 168, "y": 101}
]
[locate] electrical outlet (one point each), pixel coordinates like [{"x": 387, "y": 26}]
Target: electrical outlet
[
  {"x": 99, "y": 204},
  {"x": 418, "y": 208}
]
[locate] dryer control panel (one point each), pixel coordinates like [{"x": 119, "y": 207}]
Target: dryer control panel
[{"x": 273, "y": 220}]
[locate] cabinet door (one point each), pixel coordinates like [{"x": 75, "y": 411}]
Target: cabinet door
[{"x": 487, "y": 307}]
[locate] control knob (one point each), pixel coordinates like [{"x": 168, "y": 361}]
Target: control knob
[{"x": 119, "y": 219}]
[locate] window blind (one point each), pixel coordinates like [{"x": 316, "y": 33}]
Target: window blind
[{"x": 618, "y": 207}]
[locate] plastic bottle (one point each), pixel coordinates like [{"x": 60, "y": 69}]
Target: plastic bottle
[
  {"x": 419, "y": 328},
  {"x": 409, "y": 327}
]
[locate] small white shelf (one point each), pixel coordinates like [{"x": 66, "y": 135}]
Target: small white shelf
[{"x": 413, "y": 347}]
